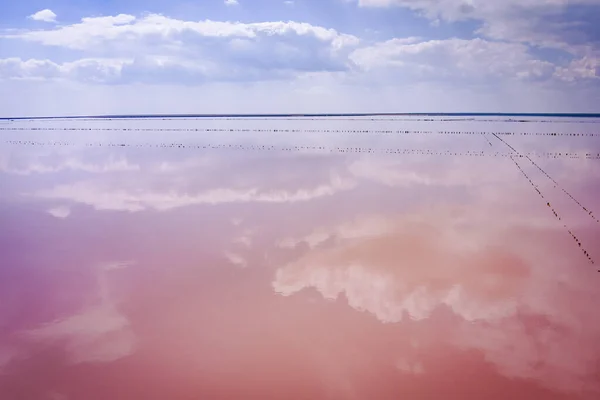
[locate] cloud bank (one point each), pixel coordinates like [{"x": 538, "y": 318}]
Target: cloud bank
[{"x": 507, "y": 56}]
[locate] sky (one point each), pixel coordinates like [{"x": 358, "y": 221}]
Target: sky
[{"x": 66, "y": 57}]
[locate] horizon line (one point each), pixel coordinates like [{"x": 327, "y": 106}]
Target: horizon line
[{"x": 308, "y": 115}]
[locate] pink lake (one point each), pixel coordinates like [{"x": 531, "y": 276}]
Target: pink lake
[{"x": 299, "y": 259}]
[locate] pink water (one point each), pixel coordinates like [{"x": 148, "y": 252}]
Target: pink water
[{"x": 145, "y": 273}]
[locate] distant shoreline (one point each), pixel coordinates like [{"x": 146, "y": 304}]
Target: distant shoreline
[{"x": 320, "y": 115}]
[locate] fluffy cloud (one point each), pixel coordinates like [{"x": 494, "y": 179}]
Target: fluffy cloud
[
  {"x": 461, "y": 9},
  {"x": 44, "y": 15},
  {"x": 118, "y": 183},
  {"x": 60, "y": 212},
  {"x": 386, "y": 270},
  {"x": 23, "y": 69},
  {"x": 146, "y": 69},
  {"x": 156, "y": 47},
  {"x": 207, "y": 48},
  {"x": 538, "y": 22},
  {"x": 106, "y": 198},
  {"x": 98, "y": 334},
  {"x": 568, "y": 26},
  {"x": 159, "y": 49},
  {"x": 70, "y": 164},
  {"x": 584, "y": 68},
  {"x": 494, "y": 261},
  {"x": 155, "y": 63},
  {"x": 232, "y": 2},
  {"x": 413, "y": 265},
  {"x": 83, "y": 70},
  {"x": 236, "y": 260},
  {"x": 407, "y": 59},
  {"x": 157, "y": 29},
  {"x": 440, "y": 59}
]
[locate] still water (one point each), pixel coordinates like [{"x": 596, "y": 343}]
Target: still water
[{"x": 324, "y": 258}]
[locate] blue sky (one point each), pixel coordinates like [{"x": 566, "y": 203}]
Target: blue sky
[{"x": 93, "y": 56}]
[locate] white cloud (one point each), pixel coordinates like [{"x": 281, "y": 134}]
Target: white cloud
[
  {"x": 44, "y": 15},
  {"x": 556, "y": 355},
  {"x": 360, "y": 228},
  {"x": 317, "y": 67},
  {"x": 98, "y": 334},
  {"x": 127, "y": 29},
  {"x": 316, "y": 94},
  {"x": 236, "y": 260},
  {"x": 36, "y": 69},
  {"x": 538, "y": 22},
  {"x": 245, "y": 239},
  {"x": 71, "y": 164},
  {"x": 584, "y": 68},
  {"x": 83, "y": 70},
  {"x": 232, "y": 2},
  {"x": 107, "y": 198},
  {"x": 455, "y": 10},
  {"x": 383, "y": 294},
  {"x": 453, "y": 58},
  {"x": 404, "y": 60},
  {"x": 156, "y": 48},
  {"x": 412, "y": 172},
  {"x": 426, "y": 262},
  {"x": 161, "y": 50},
  {"x": 384, "y": 266},
  {"x": 60, "y": 212}
]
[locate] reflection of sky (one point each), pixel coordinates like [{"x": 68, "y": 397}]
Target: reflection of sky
[{"x": 298, "y": 272}]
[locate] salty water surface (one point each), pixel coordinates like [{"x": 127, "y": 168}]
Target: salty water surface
[{"x": 325, "y": 258}]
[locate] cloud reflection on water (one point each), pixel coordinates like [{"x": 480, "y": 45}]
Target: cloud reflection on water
[{"x": 298, "y": 274}]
